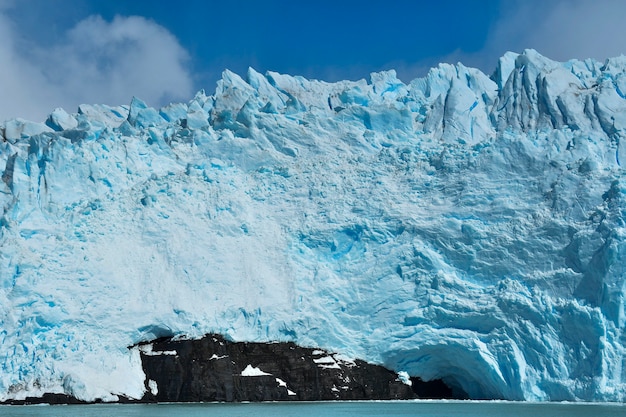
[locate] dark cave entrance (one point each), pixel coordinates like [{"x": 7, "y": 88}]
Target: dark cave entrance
[{"x": 437, "y": 389}]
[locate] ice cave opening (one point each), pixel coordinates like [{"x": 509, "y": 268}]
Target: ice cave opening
[
  {"x": 453, "y": 387},
  {"x": 452, "y": 372},
  {"x": 437, "y": 389}
]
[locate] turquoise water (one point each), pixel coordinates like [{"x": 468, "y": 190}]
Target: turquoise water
[{"x": 326, "y": 409}]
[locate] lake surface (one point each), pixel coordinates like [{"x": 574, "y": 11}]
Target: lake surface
[{"x": 326, "y": 409}]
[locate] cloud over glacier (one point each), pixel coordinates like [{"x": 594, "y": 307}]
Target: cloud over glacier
[
  {"x": 97, "y": 60},
  {"x": 560, "y": 29}
]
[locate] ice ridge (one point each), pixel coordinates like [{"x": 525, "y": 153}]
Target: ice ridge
[{"x": 462, "y": 226}]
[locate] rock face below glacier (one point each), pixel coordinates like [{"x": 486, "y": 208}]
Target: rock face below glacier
[
  {"x": 462, "y": 227},
  {"x": 214, "y": 369}
]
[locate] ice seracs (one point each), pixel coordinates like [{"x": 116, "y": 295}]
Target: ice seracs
[{"x": 460, "y": 227}]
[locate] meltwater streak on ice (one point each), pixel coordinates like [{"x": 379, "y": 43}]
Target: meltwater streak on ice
[
  {"x": 327, "y": 409},
  {"x": 459, "y": 227}
]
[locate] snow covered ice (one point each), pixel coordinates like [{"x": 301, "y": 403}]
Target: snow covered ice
[{"x": 461, "y": 226}]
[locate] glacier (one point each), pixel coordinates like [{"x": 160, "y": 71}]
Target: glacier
[{"x": 462, "y": 227}]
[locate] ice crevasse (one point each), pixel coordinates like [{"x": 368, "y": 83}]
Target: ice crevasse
[{"x": 461, "y": 227}]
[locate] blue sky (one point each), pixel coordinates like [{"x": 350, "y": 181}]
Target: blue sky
[{"x": 60, "y": 53}]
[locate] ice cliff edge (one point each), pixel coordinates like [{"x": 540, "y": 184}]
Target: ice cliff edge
[{"x": 460, "y": 227}]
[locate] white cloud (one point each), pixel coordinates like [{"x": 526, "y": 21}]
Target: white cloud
[
  {"x": 562, "y": 29},
  {"x": 95, "y": 62},
  {"x": 5, "y": 4},
  {"x": 559, "y": 29}
]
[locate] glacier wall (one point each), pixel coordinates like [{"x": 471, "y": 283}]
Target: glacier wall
[{"x": 463, "y": 227}]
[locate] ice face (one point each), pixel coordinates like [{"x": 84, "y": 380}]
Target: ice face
[{"x": 459, "y": 227}]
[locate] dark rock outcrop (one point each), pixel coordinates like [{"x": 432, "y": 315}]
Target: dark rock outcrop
[{"x": 215, "y": 369}]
